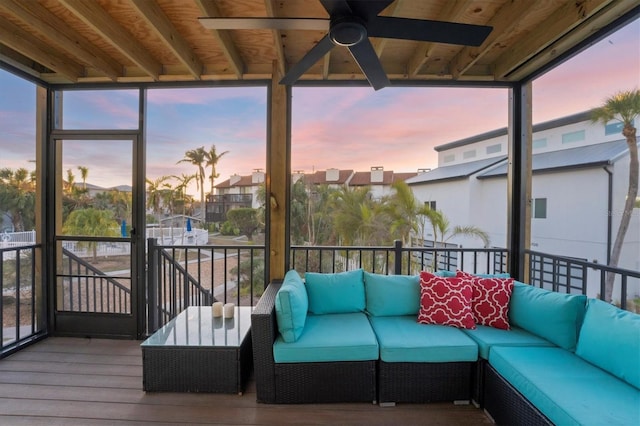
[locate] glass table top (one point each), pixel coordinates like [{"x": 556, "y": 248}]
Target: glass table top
[{"x": 196, "y": 326}]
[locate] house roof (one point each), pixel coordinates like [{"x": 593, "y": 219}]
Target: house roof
[
  {"x": 597, "y": 155},
  {"x": 320, "y": 178},
  {"x": 455, "y": 171},
  {"x": 244, "y": 181},
  {"x": 388, "y": 177},
  {"x": 563, "y": 121},
  {"x": 130, "y": 41}
]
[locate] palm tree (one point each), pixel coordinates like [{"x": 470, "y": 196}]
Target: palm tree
[
  {"x": 623, "y": 107},
  {"x": 404, "y": 209},
  {"x": 212, "y": 158},
  {"x": 17, "y": 197},
  {"x": 91, "y": 222},
  {"x": 442, "y": 231},
  {"x": 197, "y": 157},
  {"x": 70, "y": 182},
  {"x": 155, "y": 190},
  {"x": 84, "y": 172}
]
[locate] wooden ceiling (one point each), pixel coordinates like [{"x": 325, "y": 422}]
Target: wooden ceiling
[{"x": 124, "y": 41}]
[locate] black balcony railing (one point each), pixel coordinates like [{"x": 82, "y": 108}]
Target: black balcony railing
[
  {"x": 180, "y": 276},
  {"x": 571, "y": 275},
  {"x": 84, "y": 288},
  {"x": 22, "y": 306},
  {"x": 397, "y": 259}
]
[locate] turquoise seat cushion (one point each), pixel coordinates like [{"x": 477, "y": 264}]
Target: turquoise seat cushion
[
  {"x": 610, "y": 339},
  {"x": 342, "y": 292},
  {"x": 567, "y": 389},
  {"x": 327, "y": 338},
  {"x": 389, "y": 295},
  {"x": 487, "y": 337},
  {"x": 292, "y": 305},
  {"x": 403, "y": 339},
  {"x": 554, "y": 316}
]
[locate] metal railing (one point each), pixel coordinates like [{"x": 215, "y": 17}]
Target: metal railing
[
  {"x": 22, "y": 306},
  {"x": 85, "y": 288},
  {"x": 397, "y": 259},
  {"x": 571, "y": 275},
  {"x": 182, "y": 276}
]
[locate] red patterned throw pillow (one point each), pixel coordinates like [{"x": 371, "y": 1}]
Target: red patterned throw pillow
[
  {"x": 446, "y": 301},
  {"x": 490, "y": 302}
]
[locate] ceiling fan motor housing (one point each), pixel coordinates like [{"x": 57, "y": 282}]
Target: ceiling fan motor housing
[{"x": 347, "y": 31}]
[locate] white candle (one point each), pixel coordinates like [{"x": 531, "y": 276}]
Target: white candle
[
  {"x": 228, "y": 310},
  {"x": 217, "y": 309}
]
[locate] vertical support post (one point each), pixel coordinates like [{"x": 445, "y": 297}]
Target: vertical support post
[
  {"x": 519, "y": 180},
  {"x": 152, "y": 286},
  {"x": 39, "y": 260},
  {"x": 397, "y": 249},
  {"x": 278, "y": 176},
  {"x": 138, "y": 217}
]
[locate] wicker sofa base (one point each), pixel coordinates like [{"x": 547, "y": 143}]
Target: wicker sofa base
[
  {"x": 424, "y": 382},
  {"x": 506, "y": 405},
  {"x": 325, "y": 382}
]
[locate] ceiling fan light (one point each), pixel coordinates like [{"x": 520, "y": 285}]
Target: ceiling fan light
[{"x": 347, "y": 32}]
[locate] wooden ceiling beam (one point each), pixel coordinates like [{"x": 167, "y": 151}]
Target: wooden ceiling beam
[
  {"x": 103, "y": 24},
  {"x": 171, "y": 37},
  {"x": 277, "y": 37},
  {"x": 210, "y": 9},
  {"x": 596, "y": 22},
  {"x": 504, "y": 22},
  {"x": 450, "y": 12},
  {"x": 25, "y": 43},
  {"x": 561, "y": 22},
  {"x": 39, "y": 18}
]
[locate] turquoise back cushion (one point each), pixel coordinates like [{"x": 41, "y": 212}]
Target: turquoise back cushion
[
  {"x": 391, "y": 295},
  {"x": 554, "y": 316},
  {"x": 292, "y": 305},
  {"x": 610, "y": 339},
  {"x": 338, "y": 293}
]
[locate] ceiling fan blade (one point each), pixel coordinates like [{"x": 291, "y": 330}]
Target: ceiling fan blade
[
  {"x": 336, "y": 7},
  {"x": 308, "y": 60},
  {"x": 369, "y": 63},
  {"x": 368, "y": 9},
  {"x": 319, "y": 24},
  {"x": 425, "y": 30}
]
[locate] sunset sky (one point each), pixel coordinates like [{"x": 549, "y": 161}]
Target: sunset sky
[{"x": 347, "y": 128}]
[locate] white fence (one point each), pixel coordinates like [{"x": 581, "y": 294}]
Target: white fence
[{"x": 166, "y": 236}]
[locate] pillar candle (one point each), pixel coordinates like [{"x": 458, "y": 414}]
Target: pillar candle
[
  {"x": 217, "y": 309},
  {"x": 228, "y": 310}
]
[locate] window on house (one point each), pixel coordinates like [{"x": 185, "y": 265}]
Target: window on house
[
  {"x": 613, "y": 128},
  {"x": 469, "y": 154},
  {"x": 539, "y": 143},
  {"x": 449, "y": 158},
  {"x": 539, "y": 208},
  {"x": 430, "y": 204},
  {"x": 573, "y": 137},
  {"x": 492, "y": 149}
]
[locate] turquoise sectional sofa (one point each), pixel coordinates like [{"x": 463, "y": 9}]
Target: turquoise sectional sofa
[{"x": 353, "y": 336}]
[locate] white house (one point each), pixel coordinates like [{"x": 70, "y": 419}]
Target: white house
[{"x": 579, "y": 185}]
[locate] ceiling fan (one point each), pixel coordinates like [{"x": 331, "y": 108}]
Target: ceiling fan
[{"x": 350, "y": 25}]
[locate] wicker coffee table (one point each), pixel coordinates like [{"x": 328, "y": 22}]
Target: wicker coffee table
[{"x": 196, "y": 352}]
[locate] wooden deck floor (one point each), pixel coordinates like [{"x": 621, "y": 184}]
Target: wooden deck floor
[{"x": 66, "y": 381}]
